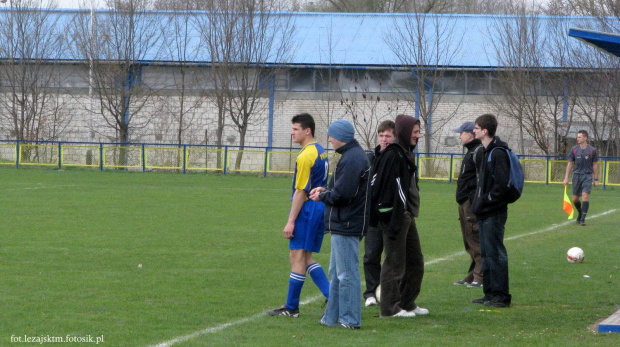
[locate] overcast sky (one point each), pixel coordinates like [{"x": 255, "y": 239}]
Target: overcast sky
[
  {"x": 65, "y": 3},
  {"x": 76, "y": 3}
]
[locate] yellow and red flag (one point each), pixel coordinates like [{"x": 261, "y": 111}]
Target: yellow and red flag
[{"x": 568, "y": 205}]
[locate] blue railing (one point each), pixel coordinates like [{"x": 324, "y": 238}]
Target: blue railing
[{"x": 251, "y": 159}]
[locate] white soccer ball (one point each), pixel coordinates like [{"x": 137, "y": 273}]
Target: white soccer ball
[
  {"x": 378, "y": 294},
  {"x": 575, "y": 255}
]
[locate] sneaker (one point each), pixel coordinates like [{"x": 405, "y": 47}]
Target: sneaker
[
  {"x": 474, "y": 285},
  {"x": 582, "y": 222},
  {"x": 460, "y": 283},
  {"x": 347, "y": 326},
  {"x": 371, "y": 301},
  {"x": 419, "y": 311},
  {"x": 338, "y": 325},
  {"x": 496, "y": 303},
  {"x": 404, "y": 314},
  {"x": 482, "y": 300},
  {"x": 284, "y": 311}
]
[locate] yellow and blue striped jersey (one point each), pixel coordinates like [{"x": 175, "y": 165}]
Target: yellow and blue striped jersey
[{"x": 311, "y": 168}]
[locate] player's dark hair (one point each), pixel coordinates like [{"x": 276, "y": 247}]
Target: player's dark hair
[
  {"x": 584, "y": 133},
  {"x": 386, "y": 125},
  {"x": 305, "y": 120},
  {"x": 488, "y": 122}
]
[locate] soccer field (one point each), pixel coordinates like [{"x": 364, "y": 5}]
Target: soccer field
[{"x": 143, "y": 259}]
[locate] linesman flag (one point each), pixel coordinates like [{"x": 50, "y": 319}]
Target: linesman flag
[{"x": 568, "y": 205}]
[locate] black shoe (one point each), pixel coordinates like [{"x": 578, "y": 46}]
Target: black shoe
[
  {"x": 460, "y": 282},
  {"x": 583, "y": 222},
  {"x": 496, "y": 303},
  {"x": 482, "y": 300},
  {"x": 284, "y": 311}
]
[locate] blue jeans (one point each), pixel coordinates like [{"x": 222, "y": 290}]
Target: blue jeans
[
  {"x": 494, "y": 257},
  {"x": 345, "y": 290}
]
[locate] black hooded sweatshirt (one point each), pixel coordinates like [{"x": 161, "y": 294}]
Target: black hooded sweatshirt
[
  {"x": 493, "y": 178},
  {"x": 393, "y": 172},
  {"x": 466, "y": 184}
]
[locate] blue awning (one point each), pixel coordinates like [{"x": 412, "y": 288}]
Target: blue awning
[{"x": 604, "y": 41}]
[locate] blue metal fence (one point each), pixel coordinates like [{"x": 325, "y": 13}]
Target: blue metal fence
[{"x": 251, "y": 159}]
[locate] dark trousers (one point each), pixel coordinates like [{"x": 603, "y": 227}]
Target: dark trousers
[
  {"x": 403, "y": 269},
  {"x": 373, "y": 247},
  {"x": 494, "y": 257},
  {"x": 471, "y": 239}
]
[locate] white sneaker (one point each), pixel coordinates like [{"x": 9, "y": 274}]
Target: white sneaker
[
  {"x": 371, "y": 301},
  {"x": 405, "y": 314},
  {"x": 420, "y": 311}
]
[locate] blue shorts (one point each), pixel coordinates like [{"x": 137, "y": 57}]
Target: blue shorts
[{"x": 309, "y": 227}]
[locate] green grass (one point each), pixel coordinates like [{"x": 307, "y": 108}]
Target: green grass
[{"x": 212, "y": 253}]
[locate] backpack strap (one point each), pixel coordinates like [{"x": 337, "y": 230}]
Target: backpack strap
[{"x": 491, "y": 153}]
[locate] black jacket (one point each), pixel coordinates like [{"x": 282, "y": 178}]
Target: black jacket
[
  {"x": 493, "y": 177},
  {"x": 466, "y": 184},
  {"x": 372, "y": 156},
  {"x": 391, "y": 178},
  {"x": 347, "y": 197}
]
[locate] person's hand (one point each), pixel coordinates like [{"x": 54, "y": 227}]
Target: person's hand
[
  {"x": 566, "y": 181},
  {"x": 595, "y": 182},
  {"x": 315, "y": 193},
  {"x": 289, "y": 230}
]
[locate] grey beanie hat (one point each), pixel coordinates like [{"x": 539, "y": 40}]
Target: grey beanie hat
[{"x": 341, "y": 130}]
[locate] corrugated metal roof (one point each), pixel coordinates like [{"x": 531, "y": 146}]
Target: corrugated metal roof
[{"x": 362, "y": 39}]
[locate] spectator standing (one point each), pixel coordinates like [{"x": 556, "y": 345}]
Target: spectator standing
[
  {"x": 346, "y": 217},
  {"x": 465, "y": 190},
  {"x": 491, "y": 209},
  {"x": 373, "y": 242}
]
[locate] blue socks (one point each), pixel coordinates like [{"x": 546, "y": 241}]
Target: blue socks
[
  {"x": 318, "y": 277},
  {"x": 295, "y": 283}
]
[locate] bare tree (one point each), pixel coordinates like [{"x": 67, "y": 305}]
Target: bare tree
[
  {"x": 597, "y": 99},
  {"x": 518, "y": 45},
  {"x": 31, "y": 39},
  {"x": 116, "y": 44},
  {"x": 185, "y": 102},
  {"x": 420, "y": 6},
  {"x": 426, "y": 44},
  {"x": 361, "y": 99},
  {"x": 245, "y": 40},
  {"x": 599, "y": 102}
]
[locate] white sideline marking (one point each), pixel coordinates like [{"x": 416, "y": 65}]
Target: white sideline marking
[
  {"x": 224, "y": 326},
  {"x": 312, "y": 299},
  {"x": 38, "y": 187}
]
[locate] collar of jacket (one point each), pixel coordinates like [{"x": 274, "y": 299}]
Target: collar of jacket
[
  {"x": 347, "y": 146},
  {"x": 497, "y": 142},
  {"x": 472, "y": 144},
  {"x": 377, "y": 150},
  {"x": 401, "y": 150},
  {"x": 406, "y": 149}
]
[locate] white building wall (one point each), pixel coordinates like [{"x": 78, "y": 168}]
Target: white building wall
[{"x": 158, "y": 121}]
